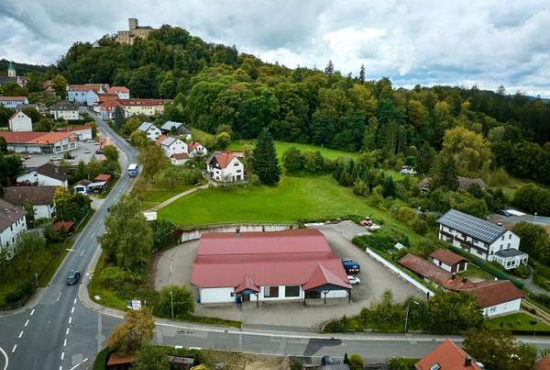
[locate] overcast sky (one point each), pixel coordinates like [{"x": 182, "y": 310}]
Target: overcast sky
[{"x": 458, "y": 42}]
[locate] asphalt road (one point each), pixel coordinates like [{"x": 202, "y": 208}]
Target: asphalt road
[{"x": 59, "y": 332}]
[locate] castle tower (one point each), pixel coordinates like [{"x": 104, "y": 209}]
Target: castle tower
[
  {"x": 11, "y": 70},
  {"x": 132, "y": 24}
]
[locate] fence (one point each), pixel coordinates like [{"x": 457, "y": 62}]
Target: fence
[
  {"x": 396, "y": 270},
  {"x": 195, "y": 234}
]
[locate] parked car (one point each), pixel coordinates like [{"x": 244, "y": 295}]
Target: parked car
[
  {"x": 327, "y": 360},
  {"x": 504, "y": 212},
  {"x": 87, "y": 151},
  {"x": 26, "y": 157},
  {"x": 354, "y": 280},
  {"x": 351, "y": 266},
  {"x": 99, "y": 151},
  {"x": 73, "y": 277},
  {"x": 54, "y": 158}
]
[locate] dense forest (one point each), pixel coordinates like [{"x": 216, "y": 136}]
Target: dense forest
[{"x": 216, "y": 86}]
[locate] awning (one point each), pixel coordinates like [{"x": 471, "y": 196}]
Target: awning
[
  {"x": 324, "y": 278},
  {"x": 247, "y": 284}
]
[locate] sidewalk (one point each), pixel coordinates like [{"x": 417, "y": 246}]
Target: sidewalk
[{"x": 176, "y": 197}]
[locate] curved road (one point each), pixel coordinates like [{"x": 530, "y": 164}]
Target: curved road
[{"x": 61, "y": 329}]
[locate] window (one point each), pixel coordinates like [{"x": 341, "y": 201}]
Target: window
[
  {"x": 292, "y": 291},
  {"x": 271, "y": 292},
  {"x": 236, "y": 164},
  {"x": 509, "y": 236},
  {"x": 435, "y": 366}
]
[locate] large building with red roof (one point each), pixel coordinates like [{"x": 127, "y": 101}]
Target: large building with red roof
[
  {"x": 40, "y": 142},
  {"x": 268, "y": 266},
  {"x": 448, "y": 356}
]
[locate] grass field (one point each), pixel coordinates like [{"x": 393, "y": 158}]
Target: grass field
[
  {"x": 518, "y": 321},
  {"x": 282, "y": 147},
  {"x": 475, "y": 273},
  {"x": 154, "y": 195}
]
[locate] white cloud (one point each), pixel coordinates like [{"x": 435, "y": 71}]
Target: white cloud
[{"x": 426, "y": 41}]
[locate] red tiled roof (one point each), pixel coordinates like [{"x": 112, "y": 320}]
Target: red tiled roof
[
  {"x": 321, "y": 277},
  {"x": 103, "y": 177},
  {"x": 138, "y": 102},
  {"x": 88, "y": 87},
  {"x": 493, "y": 292},
  {"x": 286, "y": 257},
  {"x": 35, "y": 137},
  {"x": 193, "y": 145},
  {"x": 160, "y": 139},
  {"x": 224, "y": 158},
  {"x": 247, "y": 284},
  {"x": 118, "y": 89},
  {"x": 108, "y": 105},
  {"x": 11, "y": 98},
  {"x": 449, "y": 356},
  {"x": 74, "y": 128},
  {"x": 58, "y": 225},
  {"x": 180, "y": 156},
  {"x": 107, "y": 97},
  {"x": 447, "y": 257},
  {"x": 434, "y": 273}
]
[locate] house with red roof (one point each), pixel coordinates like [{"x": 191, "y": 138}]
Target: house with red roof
[
  {"x": 40, "y": 142},
  {"x": 13, "y": 102},
  {"x": 78, "y": 93},
  {"x": 225, "y": 166},
  {"x": 196, "y": 149},
  {"x": 449, "y": 261},
  {"x": 121, "y": 91},
  {"x": 293, "y": 264},
  {"x": 448, "y": 356}
]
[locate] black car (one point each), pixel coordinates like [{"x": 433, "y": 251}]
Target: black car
[
  {"x": 73, "y": 277},
  {"x": 504, "y": 212},
  {"x": 327, "y": 360}
]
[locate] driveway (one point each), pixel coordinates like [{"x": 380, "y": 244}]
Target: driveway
[
  {"x": 174, "y": 266},
  {"x": 79, "y": 153}
]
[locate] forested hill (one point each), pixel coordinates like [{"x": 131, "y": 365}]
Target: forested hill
[
  {"x": 214, "y": 85},
  {"x": 21, "y": 68}
]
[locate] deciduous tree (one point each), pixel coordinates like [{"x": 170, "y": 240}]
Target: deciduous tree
[{"x": 134, "y": 333}]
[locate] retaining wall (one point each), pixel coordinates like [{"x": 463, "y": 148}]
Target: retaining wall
[{"x": 195, "y": 234}]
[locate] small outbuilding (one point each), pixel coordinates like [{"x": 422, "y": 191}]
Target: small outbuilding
[{"x": 449, "y": 261}]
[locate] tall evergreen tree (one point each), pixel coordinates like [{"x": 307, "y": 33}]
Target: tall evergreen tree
[
  {"x": 362, "y": 74},
  {"x": 118, "y": 118},
  {"x": 264, "y": 159}
]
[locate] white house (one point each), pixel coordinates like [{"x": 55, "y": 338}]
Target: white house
[
  {"x": 176, "y": 128},
  {"x": 225, "y": 167},
  {"x": 65, "y": 110},
  {"x": 40, "y": 197},
  {"x": 12, "y": 223},
  {"x": 449, "y": 261},
  {"x": 179, "y": 159},
  {"x": 121, "y": 91},
  {"x": 195, "y": 149},
  {"x": 78, "y": 93},
  {"x": 171, "y": 145},
  {"x": 151, "y": 131},
  {"x": 20, "y": 122},
  {"x": 45, "y": 175},
  {"x": 497, "y": 297},
  {"x": 481, "y": 238},
  {"x": 13, "y": 102}
]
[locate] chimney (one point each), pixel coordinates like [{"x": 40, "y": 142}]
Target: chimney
[
  {"x": 453, "y": 276},
  {"x": 467, "y": 361}
]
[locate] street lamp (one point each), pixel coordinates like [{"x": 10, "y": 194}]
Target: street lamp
[
  {"x": 172, "y": 304},
  {"x": 407, "y": 315}
]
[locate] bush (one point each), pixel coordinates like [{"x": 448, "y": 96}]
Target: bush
[
  {"x": 498, "y": 177},
  {"x": 399, "y": 363},
  {"x": 116, "y": 277},
  {"x": 22, "y": 291},
  {"x": 356, "y": 362},
  {"x": 176, "y": 298},
  {"x": 420, "y": 226},
  {"x": 522, "y": 271},
  {"x": 296, "y": 364},
  {"x": 533, "y": 198}
]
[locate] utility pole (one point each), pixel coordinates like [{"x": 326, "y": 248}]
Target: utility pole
[
  {"x": 407, "y": 315},
  {"x": 172, "y": 303}
]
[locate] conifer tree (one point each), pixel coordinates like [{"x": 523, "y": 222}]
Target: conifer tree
[{"x": 264, "y": 159}]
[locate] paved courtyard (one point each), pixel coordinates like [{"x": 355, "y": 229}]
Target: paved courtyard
[
  {"x": 174, "y": 266},
  {"x": 84, "y": 152}
]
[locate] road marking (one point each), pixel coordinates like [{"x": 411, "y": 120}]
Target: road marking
[
  {"x": 67, "y": 332},
  {"x": 32, "y": 312},
  {"x": 70, "y": 319},
  {"x": 14, "y": 348},
  {"x": 65, "y": 343},
  {"x": 6, "y": 357},
  {"x": 21, "y": 334},
  {"x": 82, "y": 253},
  {"x": 74, "y": 302},
  {"x": 27, "y": 322},
  {"x": 70, "y": 249},
  {"x": 72, "y": 310},
  {"x": 62, "y": 355},
  {"x": 77, "y": 365}
]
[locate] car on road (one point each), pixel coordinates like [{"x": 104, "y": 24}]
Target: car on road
[
  {"x": 86, "y": 151},
  {"x": 26, "y": 157},
  {"x": 54, "y": 158},
  {"x": 73, "y": 277},
  {"x": 353, "y": 280},
  {"x": 327, "y": 360},
  {"x": 351, "y": 266},
  {"x": 504, "y": 213},
  {"x": 99, "y": 151}
]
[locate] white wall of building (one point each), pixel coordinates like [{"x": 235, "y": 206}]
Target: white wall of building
[
  {"x": 91, "y": 98},
  {"x": 43, "y": 211},
  {"x": 67, "y": 115},
  {"x": 153, "y": 133},
  {"x": 34, "y": 177},
  {"x": 507, "y": 241},
  {"x": 77, "y": 96},
  {"x": 233, "y": 172},
  {"x": 217, "y": 295},
  {"x": 83, "y": 134},
  {"x": 20, "y": 122},
  {"x": 176, "y": 147},
  {"x": 13, "y": 103},
  {"x": 503, "y": 308},
  {"x": 8, "y": 237},
  {"x": 199, "y": 151}
]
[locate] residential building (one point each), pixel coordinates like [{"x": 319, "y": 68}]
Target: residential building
[
  {"x": 40, "y": 142},
  {"x": 134, "y": 31},
  {"x": 78, "y": 93},
  {"x": 93, "y": 98},
  {"x": 268, "y": 266},
  {"x": 171, "y": 127},
  {"x": 145, "y": 107},
  {"x": 20, "y": 122},
  {"x": 82, "y": 133},
  {"x": 107, "y": 108},
  {"x": 40, "y": 197},
  {"x": 448, "y": 356},
  {"x": 195, "y": 149},
  {"x": 65, "y": 110},
  {"x": 151, "y": 131},
  {"x": 464, "y": 183},
  {"x": 121, "y": 91},
  {"x": 13, "y": 102},
  {"x": 481, "y": 238},
  {"x": 449, "y": 261},
  {"x": 171, "y": 145},
  {"x": 497, "y": 297},
  {"x": 12, "y": 223},
  {"x": 179, "y": 159},
  {"x": 45, "y": 175},
  {"x": 225, "y": 167}
]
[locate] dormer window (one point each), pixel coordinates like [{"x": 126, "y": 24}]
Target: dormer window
[{"x": 435, "y": 366}]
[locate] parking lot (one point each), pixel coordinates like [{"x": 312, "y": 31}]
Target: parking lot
[
  {"x": 84, "y": 152},
  {"x": 174, "y": 266}
]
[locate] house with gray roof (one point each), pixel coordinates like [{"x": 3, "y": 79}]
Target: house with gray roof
[
  {"x": 151, "y": 131},
  {"x": 171, "y": 145},
  {"x": 12, "y": 224},
  {"x": 172, "y": 127},
  {"x": 481, "y": 238}
]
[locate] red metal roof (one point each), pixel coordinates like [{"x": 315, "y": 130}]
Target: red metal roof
[
  {"x": 321, "y": 277},
  {"x": 58, "y": 225},
  {"x": 103, "y": 177},
  {"x": 286, "y": 257},
  {"x": 35, "y": 137},
  {"x": 449, "y": 357},
  {"x": 247, "y": 284},
  {"x": 447, "y": 257}
]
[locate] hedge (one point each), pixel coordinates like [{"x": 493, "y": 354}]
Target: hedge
[{"x": 487, "y": 267}]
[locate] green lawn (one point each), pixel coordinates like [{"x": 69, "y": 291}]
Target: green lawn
[
  {"x": 518, "y": 321},
  {"x": 282, "y": 147},
  {"x": 475, "y": 273},
  {"x": 513, "y": 184}
]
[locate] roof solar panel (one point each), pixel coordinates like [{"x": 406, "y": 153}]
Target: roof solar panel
[{"x": 471, "y": 226}]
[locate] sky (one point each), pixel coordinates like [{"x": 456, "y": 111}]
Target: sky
[{"x": 461, "y": 42}]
